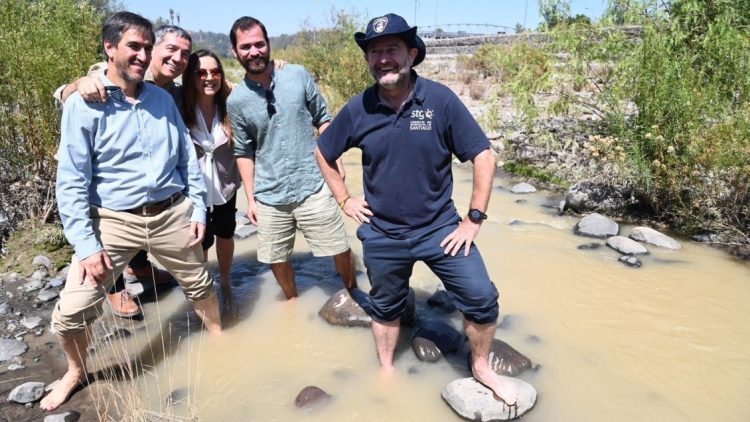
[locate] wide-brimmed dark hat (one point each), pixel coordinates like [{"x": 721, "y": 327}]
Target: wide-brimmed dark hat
[{"x": 395, "y": 25}]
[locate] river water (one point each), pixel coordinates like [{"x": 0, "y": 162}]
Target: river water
[{"x": 665, "y": 342}]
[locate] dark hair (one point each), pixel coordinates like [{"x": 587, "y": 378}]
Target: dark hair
[
  {"x": 119, "y": 23},
  {"x": 171, "y": 29},
  {"x": 190, "y": 93},
  {"x": 244, "y": 23}
]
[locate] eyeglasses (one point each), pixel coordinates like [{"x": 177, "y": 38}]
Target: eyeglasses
[
  {"x": 270, "y": 103},
  {"x": 206, "y": 73}
]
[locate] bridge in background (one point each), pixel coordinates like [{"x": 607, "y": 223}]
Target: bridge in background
[{"x": 459, "y": 30}]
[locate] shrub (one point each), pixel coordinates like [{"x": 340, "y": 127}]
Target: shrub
[
  {"x": 333, "y": 58},
  {"x": 43, "y": 44}
]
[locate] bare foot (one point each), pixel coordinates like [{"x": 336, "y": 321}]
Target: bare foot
[
  {"x": 503, "y": 389},
  {"x": 62, "y": 390}
]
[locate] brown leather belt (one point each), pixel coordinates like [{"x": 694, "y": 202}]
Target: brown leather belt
[{"x": 155, "y": 208}]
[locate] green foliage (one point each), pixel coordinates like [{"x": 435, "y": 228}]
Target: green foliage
[
  {"x": 333, "y": 58},
  {"x": 522, "y": 71},
  {"x": 554, "y": 12},
  {"x": 526, "y": 170},
  {"x": 676, "y": 99},
  {"x": 43, "y": 44}
]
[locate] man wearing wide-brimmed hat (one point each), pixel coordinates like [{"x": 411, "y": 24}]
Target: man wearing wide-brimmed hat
[{"x": 408, "y": 129}]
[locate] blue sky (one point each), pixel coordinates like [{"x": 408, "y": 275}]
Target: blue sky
[{"x": 289, "y": 16}]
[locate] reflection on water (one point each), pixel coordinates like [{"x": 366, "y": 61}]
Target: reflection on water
[{"x": 666, "y": 342}]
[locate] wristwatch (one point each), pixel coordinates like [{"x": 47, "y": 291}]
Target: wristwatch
[{"x": 476, "y": 216}]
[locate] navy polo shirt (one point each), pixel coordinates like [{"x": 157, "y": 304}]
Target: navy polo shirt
[{"x": 406, "y": 156}]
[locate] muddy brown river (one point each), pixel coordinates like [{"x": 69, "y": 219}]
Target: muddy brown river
[{"x": 666, "y": 342}]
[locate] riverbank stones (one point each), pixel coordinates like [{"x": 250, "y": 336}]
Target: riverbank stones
[
  {"x": 473, "y": 401},
  {"x": 10, "y": 348},
  {"x": 596, "y": 225},
  {"x": 27, "y": 393},
  {"x": 654, "y": 237},
  {"x": 626, "y": 246},
  {"x": 69, "y": 416}
]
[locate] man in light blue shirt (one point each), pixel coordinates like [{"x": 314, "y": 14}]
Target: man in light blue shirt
[
  {"x": 273, "y": 113},
  {"x": 128, "y": 179}
]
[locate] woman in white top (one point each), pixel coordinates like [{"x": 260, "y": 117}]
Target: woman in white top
[{"x": 204, "y": 110}]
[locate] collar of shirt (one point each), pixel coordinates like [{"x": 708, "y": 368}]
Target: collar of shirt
[{"x": 372, "y": 99}]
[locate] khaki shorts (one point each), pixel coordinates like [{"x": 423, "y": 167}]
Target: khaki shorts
[{"x": 317, "y": 216}]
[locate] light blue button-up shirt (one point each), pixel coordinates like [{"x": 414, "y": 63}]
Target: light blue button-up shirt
[
  {"x": 282, "y": 144},
  {"x": 118, "y": 155}
]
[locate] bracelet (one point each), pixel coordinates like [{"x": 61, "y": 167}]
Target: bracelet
[{"x": 341, "y": 204}]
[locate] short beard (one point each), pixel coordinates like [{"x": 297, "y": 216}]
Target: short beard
[{"x": 256, "y": 70}]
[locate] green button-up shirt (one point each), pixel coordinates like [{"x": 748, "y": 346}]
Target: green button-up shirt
[{"x": 277, "y": 130}]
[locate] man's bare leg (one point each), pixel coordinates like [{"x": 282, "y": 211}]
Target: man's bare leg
[
  {"x": 224, "y": 254},
  {"x": 208, "y": 311},
  {"x": 345, "y": 267},
  {"x": 480, "y": 340},
  {"x": 386, "y": 337},
  {"x": 75, "y": 348},
  {"x": 284, "y": 274}
]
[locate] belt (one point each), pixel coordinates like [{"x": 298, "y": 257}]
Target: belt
[{"x": 155, "y": 208}]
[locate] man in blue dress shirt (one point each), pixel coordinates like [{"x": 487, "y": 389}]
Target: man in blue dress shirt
[{"x": 128, "y": 179}]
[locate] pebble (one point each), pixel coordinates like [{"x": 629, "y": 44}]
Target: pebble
[
  {"x": 27, "y": 393},
  {"x": 41, "y": 260},
  {"x": 31, "y": 322},
  {"x": 626, "y": 245},
  {"x": 311, "y": 396},
  {"x": 47, "y": 294},
  {"x": 630, "y": 261},
  {"x": 15, "y": 367},
  {"x": 4, "y": 308},
  {"x": 39, "y": 275},
  {"x": 473, "y": 401},
  {"x": 31, "y": 286},
  {"x": 56, "y": 282},
  {"x": 522, "y": 188},
  {"x": 69, "y": 416}
]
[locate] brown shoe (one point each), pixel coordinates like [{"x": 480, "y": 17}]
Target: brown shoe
[
  {"x": 150, "y": 273},
  {"x": 123, "y": 304}
]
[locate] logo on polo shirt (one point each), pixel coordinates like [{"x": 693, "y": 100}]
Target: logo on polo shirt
[
  {"x": 421, "y": 120},
  {"x": 379, "y": 25}
]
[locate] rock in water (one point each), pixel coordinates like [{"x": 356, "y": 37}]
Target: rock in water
[
  {"x": 426, "y": 350},
  {"x": 626, "y": 246},
  {"x": 649, "y": 235},
  {"x": 69, "y": 416},
  {"x": 342, "y": 310},
  {"x": 630, "y": 261},
  {"x": 475, "y": 402},
  {"x": 596, "y": 225},
  {"x": 506, "y": 360},
  {"x": 522, "y": 188},
  {"x": 433, "y": 339},
  {"x": 10, "y": 348},
  {"x": 27, "y": 393},
  {"x": 311, "y": 396}
]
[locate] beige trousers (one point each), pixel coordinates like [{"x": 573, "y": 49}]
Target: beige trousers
[{"x": 166, "y": 236}]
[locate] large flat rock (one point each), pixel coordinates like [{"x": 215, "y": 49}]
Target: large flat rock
[{"x": 475, "y": 402}]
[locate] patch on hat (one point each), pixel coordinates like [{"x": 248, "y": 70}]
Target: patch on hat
[{"x": 379, "y": 24}]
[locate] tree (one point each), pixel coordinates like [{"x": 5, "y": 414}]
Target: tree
[{"x": 554, "y": 12}]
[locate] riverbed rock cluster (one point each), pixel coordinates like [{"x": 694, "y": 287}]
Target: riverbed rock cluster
[
  {"x": 433, "y": 338},
  {"x": 26, "y": 303}
]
